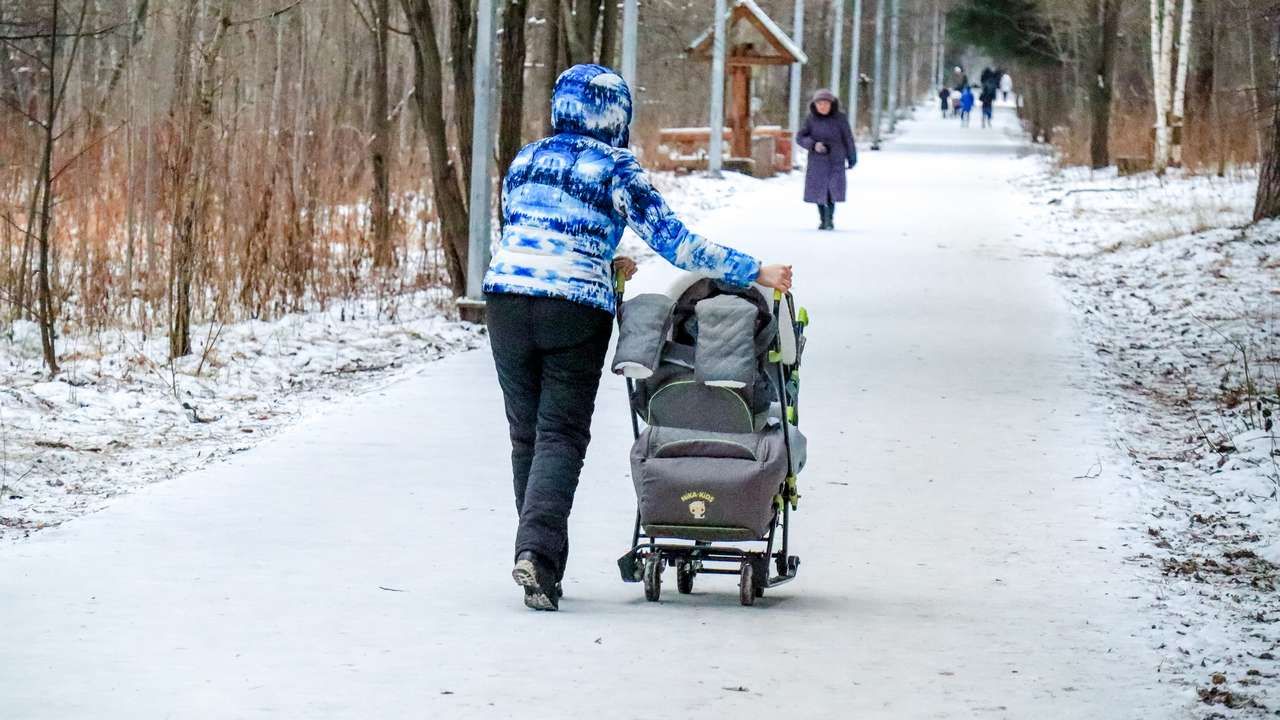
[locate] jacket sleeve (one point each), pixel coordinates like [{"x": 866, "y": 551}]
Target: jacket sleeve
[
  {"x": 649, "y": 216},
  {"x": 804, "y": 138},
  {"x": 850, "y": 143}
]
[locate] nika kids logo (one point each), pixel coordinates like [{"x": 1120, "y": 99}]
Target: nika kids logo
[{"x": 698, "y": 503}]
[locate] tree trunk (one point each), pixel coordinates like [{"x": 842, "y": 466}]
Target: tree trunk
[
  {"x": 44, "y": 292},
  {"x": 191, "y": 206},
  {"x": 462, "y": 51},
  {"x": 586, "y": 16},
  {"x": 511, "y": 90},
  {"x": 1200, "y": 83},
  {"x": 609, "y": 34},
  {"x": 1162, "y": 14},
  {"x": 428, "y": 82},
  {"x": 1267, "y": 204},
  {"x": 1180, "y": 91},
  {"x": 1107, "y": 13},
  {"x": 379, "y": 143},
  {"x": 551, "y": 12}
]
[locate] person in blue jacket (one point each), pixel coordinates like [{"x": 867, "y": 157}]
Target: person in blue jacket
[
  {"x": 550, "y": 299},
  {"x": 966, "y": 105}
]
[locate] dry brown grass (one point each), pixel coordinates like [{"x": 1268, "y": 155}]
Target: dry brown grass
[
  {"x": 1207, "y": 147},
  {"x": 284, "y": 229}
]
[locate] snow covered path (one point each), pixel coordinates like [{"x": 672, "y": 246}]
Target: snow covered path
[{"x": 960, "y": 560}]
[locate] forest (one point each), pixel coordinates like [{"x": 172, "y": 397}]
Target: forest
[{"x": 168, "y": 163}]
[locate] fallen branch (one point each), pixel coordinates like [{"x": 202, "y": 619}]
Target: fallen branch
[{"x": 1058, "y": 201}]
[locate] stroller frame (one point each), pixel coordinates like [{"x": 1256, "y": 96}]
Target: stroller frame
[{"x": 649, "y": 555}]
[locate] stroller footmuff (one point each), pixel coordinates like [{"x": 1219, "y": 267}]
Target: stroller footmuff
[{"x": 715, "y": 383}]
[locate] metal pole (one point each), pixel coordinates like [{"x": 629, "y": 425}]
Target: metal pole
[
  {"x": 797, "y": 34},
  {"x": 855, "y": 65},
  {"x": 837, "y": 46},
  {"x": 479, "y": 232},
  {"x": 934, "y": 38},
  {"x": 877, "y": 90},
  {"x": 893, "y": 65},
  {"x": 630, "y": 19},
  {"x": 942, "y": 50},
  {"x": 716, "y": 145}
]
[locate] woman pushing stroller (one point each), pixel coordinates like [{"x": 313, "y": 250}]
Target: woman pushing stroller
[{"x": 550, "y": 296}]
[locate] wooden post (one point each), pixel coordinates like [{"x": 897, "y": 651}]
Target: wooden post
[{"x": 741, "y": 82}]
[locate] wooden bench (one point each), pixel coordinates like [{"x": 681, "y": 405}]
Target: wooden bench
[{"x": 686, "y": 149}]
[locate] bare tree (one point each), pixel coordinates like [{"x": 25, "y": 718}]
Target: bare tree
[
  {"x": 1104, "y": 42},
  {"x": 193, "y": 116},
  {"x": 1267, "y": 203},
  {"x": 429, "y": 100},
  {"x": 380, "y": 138},
  {"x": 511, "y": 87}
]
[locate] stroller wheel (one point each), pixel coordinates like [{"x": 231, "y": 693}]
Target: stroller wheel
[
  {"x": 684, "y": 577},
  {"x": 747, "y": 585},
  {"x": 653, "y": 577}
]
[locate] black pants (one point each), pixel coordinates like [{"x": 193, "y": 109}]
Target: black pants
[{"x": 549, "y": 354}]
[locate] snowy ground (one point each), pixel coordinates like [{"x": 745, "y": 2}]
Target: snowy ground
[
  {"x": 961, "y": 558},
  {"x": 121, "y": 416},
  {"x": 1180, "y": 304}
]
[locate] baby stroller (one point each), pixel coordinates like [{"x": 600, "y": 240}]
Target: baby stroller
[{"x": 713, "y": 371}]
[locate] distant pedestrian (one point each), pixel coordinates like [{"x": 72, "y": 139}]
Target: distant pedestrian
[
  {"x": 987, "y": 77},
  {"x": 827, "y": 137},
  {"x": 945, "y": 96},
  {"x": 988, "y": 99},
  {"x": 1006, "y": 86},
  {"x": 966, "y": 105}
]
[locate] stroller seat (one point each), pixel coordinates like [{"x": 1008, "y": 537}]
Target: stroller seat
[{"x": 714, "y": 462}]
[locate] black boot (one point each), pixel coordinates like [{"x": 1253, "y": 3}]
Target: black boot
[
  {"x": 541, "y": 591},
  {"x": 825, "y": 210},
  {"x": 831, "y": 216}
]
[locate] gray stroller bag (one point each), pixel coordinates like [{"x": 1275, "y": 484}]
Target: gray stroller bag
[{"x": 715, "y": 460}]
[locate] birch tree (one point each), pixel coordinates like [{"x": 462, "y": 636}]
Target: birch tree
[{"x": 1170, "y": 82}]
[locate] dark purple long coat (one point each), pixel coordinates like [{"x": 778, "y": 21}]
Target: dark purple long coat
[{"x": 824, "y": 179}]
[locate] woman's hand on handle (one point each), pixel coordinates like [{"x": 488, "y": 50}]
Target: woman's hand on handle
[
  {"x": 775, "y": 277},
  {"x": 624, "y": 266}
]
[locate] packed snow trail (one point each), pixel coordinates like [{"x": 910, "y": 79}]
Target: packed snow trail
[{"x": 959, "y": 558}]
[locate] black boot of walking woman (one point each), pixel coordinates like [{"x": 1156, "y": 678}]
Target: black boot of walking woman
[
  {"x": 831, "y": 216},
  {"x": 822, "y": 216}
]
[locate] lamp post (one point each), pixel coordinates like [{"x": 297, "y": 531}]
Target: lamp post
[
  {"x": 894, "y": 27},
  {"x": 837, "y": 46},
  {"x": 715, "y": 148},
  {"x": 479, "y": 230},
  {"x": 855, "y": 65},
  {"x": 877, "y": 92},
  {"x": 797, "y": 34}
]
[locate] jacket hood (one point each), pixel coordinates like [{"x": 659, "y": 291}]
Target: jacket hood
[
  {"x": 827, "y": 95},
  {"x": 595, "y": 101}
]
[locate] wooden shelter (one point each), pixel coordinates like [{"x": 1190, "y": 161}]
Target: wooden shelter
[{"x": 752, "y": 39}]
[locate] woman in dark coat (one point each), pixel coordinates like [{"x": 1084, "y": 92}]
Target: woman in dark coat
[{"x": 827, "y": 137}]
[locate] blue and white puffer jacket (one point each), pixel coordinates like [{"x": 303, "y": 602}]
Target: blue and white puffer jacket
[{"x": 566, "y": 200}]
